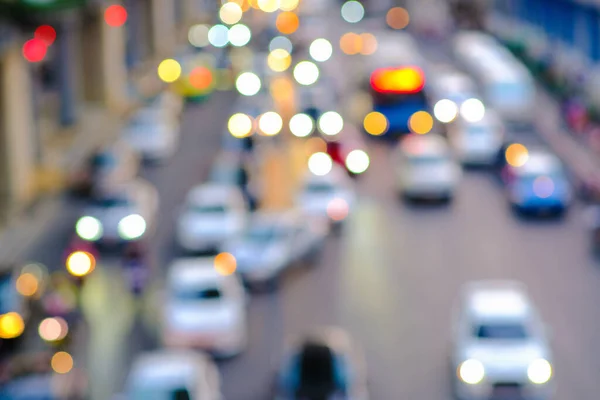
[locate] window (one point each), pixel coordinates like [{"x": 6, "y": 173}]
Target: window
[
  {"x": 509, "y": 331},
  {"x": 192, "y": 294}
]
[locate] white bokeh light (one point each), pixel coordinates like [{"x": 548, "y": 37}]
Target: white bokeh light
[
  {"x": 239, "y": 35},
  {"x": 301, "y": 125},
  {"x": 306, "y": 73},
  {"x": 89, "y": 228},
  {"x": 321, "y": 50},
  {"x": 320, "y": 163},
  {"x": 472, "y": 110},
  {"x": 445, "y": 111},
  {"x": 270, "y": 123},
  {"x": 218, "y": 35},
  {"x": 248, "y": 84},
  {"x": 331, "y": 123},
  {"x": 198, "y": 35},
  {"x": 281, "y": 42},
  {"x": 353, "y": 11},
  {"x": 357, "y": 161},
  {"x": 230, "y": 13},
  {"x": 132, "y": 227}
]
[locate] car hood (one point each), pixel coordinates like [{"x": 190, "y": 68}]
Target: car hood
[
  {"x": 250, "y": 255},
  {"x": 506, "y": 358},
  {"x": 110, "y": 217},
  {"x": 200, "y": 315},
  {"x": 207, "y": 225}
]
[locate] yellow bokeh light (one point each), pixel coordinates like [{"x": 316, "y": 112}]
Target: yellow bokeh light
[
  {"x": 375, "y": 123},
  {"x": 53, "y": 329},
  {"x": 80, "y": 263},
  {"x": 169, "y": 70},
  {"x": 230, "y": 13},
  {"x": 279, "y": 60},
  {"x": 288, "y": 5},
  {"x": 420, "y": 122},
  {"x": 240, "y": 125},
  {"x": 269, "y": 5},
  {"x": 516, "y": 155},
  {"x": 254, "y": 4},
  {"x": 282, "y": 89},
  {"x": 368, "y": 44},
  {"x": 270, "y": 123},
  {"x": 397, "y": 18},
  {"x": 62, "y": 362},
  {"x": 27, "y": 284},
  {"x": 287, "y": 22},
  {"x": 350, "y": 43},
  {"x": 225, "y": 264},
  {"x": 11, "y": 325}
]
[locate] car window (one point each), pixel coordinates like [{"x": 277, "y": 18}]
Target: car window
[
  {"x": 112, "y": 202},
  {"x": 264, "y": 234},
  {"x": 319, "y": 187},
  {"x": 209, "y": 209},
  {"x": 508, "y": 331},
  {"x": 8, "y": 294},
  {"x": 427, "y": 161},
  {"x": 476, "y": 130},
  {"x": 153, "y": 393},
  {"x": 188, "y": 294},
  {"x": 529, "y": 179},
  {"x": 104, "y": 160}
]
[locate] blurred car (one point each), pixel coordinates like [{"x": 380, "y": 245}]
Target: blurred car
[
  {"x": 273, "y": 242},
  {"x": 478, "y": 143},
  {"x": 500, "y": 346},
  {"x": 212, "y": 214},
  {"x": 105, "y": 167},
  {"x": 447, "y": 90},
  {"x": 164, "y": 374},
  {"x": 204, "y": 308},
  {"x": 327, "y": 364},
  {"x": 425, "y": 168},
  {"x": 540, "y": 186},
  {"x": 154, "y": 135},
  {"x": 329, "y": 196},
  {"x": 124, "y": 214}
]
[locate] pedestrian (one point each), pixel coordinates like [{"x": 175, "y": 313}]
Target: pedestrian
[{"x": 135, "y": 267}]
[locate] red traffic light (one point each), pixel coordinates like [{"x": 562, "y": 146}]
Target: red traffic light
[{"x": 34, "y": 50}]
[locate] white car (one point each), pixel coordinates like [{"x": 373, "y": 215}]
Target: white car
[
  {"x": 478, "y": 143},
  {"x": 500, "y": 348},
  {"x": 447, "y": 90},
  {"x": 155, "y": 135},
  {"x": 164, "y": 374},
  {"x": 213, "y": 214},
  {"x": 204, "y": 309},
  {"x": 274, "y": 241},
  {"x": 329, "y": 196},
  {"x": 426, "y": 169},
  {"x": 126, "y": 213}
]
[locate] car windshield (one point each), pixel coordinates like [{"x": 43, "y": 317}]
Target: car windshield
[
  {"x": 153, "y": 393},
  {"x": 112, "y": 202},
  {"x": 320, "y": 187},
  {"x": 264, "y": 234},
  {"x": 194, "y": 293},
  {"x": 104, "y": 160},
  {"x": 476, "y": 130},
  {"x": 508, "y": 331},
  {"x": 7, "y": 294},
  {"x": 529, "y": 179},
  {"x": 427, "y": 161},
  {"x": 210, "y": 209}
]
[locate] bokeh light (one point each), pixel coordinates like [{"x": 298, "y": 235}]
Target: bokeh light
[
  {"x": 306, "y": 73},
  {"x": 46, "y": 34},
  {"x": 351, "y": 43},
  {"x": 471, "y": 372},
  {"x": 287, "y": 22},
  {"x": 516, "y": 155},
  {"x": 62, "y": 362},
  {"x": 34, "y": 50},
  {"x": 115, "y": 15},
  {"x": 397, "y": 18},
  {"x": 357, "y": 161},
  {"x": 269, "y": 5},
  {"x": 301, "y": 125},
  {"x": 240, "y": 125},
  {"x": 27, "y": 284},
  {"x": 320, "y": 163},
  {"x": 225, "y": 264},
  {"x": 53, "y": 329},
  {"x": 248, "y": 84},
  {"x": 239, "y": 35},
  {"x": 198, "y": 35},
  {"x": 539, "y": 371},
  {"x": 279, "y": 60},
  {"x": 89, "y": 228},
  {"x": 353, "y": 11},
  {"x": 331, "y": 123},
  {"x": 320, "y": 50},
  {"x": 420, "y": 122},
  {"x": 132, "y": 227},
  {"x": 375, "y": 123},
  {"x": 11, "y": 325},
  {"x": 230, "y": 13},
  {"x": 445, "y": 111},
  {"x": 289, "y": 5},
  {"x": 368, "y": 44},
  {"x": 282, "y": 89},
  {"x": 281, "y": 42},
  {"x": 201, "y": 78},
  {"x": 169, "y": 70},
  {"x": 543, "y": 187},
  {"x": 270, "y": 123},
  {"x": 218, "y": 35},
  {"x": 80, "y": 263},
  {"x": 472, "y": 110},
  {"x": 338, "y": 209}
]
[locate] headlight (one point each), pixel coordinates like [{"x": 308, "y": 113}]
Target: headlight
[
  {"x": 357, "y": 161},
  {"x": 89, "y": 228},
  {"x": 471, "y": 372},
  {"x": 539, "y": 371},
  {"x": 132, "y": 227}
]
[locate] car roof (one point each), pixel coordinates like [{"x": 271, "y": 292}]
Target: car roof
[
  {"x": 212, "y": 193},
  {"x": 171, "y": 367},
  {"x": 194, "y": 270},
  {"x": 497, "y": 300},
  {"x": 424, "y": 146},
  {"x": 540, "y": 163}
]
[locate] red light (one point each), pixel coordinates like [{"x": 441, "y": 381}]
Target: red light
[
  {"x": 115, "y": 15},
  {"x": 45, "y": 33},
  {"x": 34, "y": 50},
  {"x": 201, "y": 78},
  {"x": 398, "y": 80}
]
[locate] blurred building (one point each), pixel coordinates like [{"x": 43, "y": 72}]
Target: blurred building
[{"x": 54, "y": 111}]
